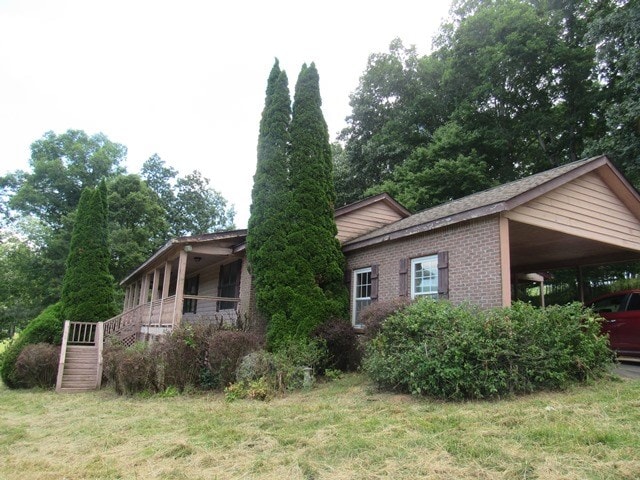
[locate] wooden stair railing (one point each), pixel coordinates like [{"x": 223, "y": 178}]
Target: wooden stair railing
[{"x": 80, "y": 366}]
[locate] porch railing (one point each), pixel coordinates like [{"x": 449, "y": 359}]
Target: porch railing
[{"x": 163, "y": 314}]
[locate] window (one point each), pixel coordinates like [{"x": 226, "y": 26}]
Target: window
[
  {"x": 424, "y": 277},
  {"x": 189, "y": 305},
  {"x": 361, "y": 292},
  {"x": 634, "y": 302},
  {"x": 609, "y": 304},
  {"x": 229, "y": 284}
]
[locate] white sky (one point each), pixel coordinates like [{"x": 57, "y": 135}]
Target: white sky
[{"x": 185, "y": 79}]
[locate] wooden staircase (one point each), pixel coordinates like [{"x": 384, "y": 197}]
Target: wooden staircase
[
  {"x": 80, "y": 370},
  {"x": 80, "y": 366}
]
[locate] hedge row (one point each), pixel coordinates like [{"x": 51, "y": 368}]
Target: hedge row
[{"x": 460, "y": 352}]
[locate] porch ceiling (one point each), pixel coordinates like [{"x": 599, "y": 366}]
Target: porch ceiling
[{"x": 535, "y": 248}]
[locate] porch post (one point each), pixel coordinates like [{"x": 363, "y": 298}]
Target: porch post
[
  {"x": 136, "y": 294},
  {"x": 156, "y": 281},
  {"x": 177, "y": 307},
  {"x": 165, "y": 288},
  {"x": 144, "y": 289},
  {"x": 505, "y": 261},
  {"x": 167, "y": 279},
  {"x": 127, "y": 294}
]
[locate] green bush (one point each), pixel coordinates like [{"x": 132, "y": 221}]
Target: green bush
[
  {"x": 461, "y": 352},
  {"x": 37, "y": 365},
  {"x": 45, "y": 328}
]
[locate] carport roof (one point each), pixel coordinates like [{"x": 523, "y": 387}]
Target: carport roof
[{"x": 502, "y": 198}]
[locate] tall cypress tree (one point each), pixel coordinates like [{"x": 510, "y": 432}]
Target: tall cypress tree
[
  {"x": 87, "y": 287},
  {"x": 312, "y": 243},
  {"x": 267, "y": 229}
]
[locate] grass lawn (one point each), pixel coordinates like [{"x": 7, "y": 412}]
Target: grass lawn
[{"x": 339, "y": 430}]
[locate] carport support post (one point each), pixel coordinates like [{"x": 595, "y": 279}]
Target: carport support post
[
  {"x": 505, "y": 261},
  {"x": 580, "y": 284}
]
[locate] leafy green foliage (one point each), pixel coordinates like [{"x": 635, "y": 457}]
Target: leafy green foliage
[
  {"x": 137, "y": 223},
  {"x": 198, "y": 208},
  {"x": 87, "y": 289},
  {"x": 312, "y": 246},
  {"x": 62, "y": 167},
  {"x": 374, "y": 314},
  {"x": 509, "y": 90},
  {"x": 262, "y": 375},
  {"x": 20, "y": 292},
  {"x": 615, "y": 31},
  {"x": 45, "y": 328},
  {"x": 460, "y": 352}
]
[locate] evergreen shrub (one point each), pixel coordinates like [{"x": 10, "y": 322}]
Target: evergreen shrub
[
  {"x": 45, "y": 328},
  {"x": 37, "y": 365},
  {"x": 461, "y": 352}
]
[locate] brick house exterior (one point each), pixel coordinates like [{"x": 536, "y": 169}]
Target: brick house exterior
[
  {"x": 475, "y": 248},
  {"x": 468, "y": 250}
]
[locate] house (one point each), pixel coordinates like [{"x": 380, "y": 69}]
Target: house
[{"x": 469, "y": 250}]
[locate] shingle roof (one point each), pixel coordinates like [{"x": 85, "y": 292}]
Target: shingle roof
[{"x": 478, "y": 204}]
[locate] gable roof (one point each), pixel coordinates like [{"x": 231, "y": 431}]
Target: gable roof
[
  {"x": 383, "y": 198},
  {"x": 492, "y": 201},
  {"x": 235, "y": 237}
]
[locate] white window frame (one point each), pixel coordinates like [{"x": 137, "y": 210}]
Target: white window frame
[
  {"x": 432, "y": 261},
  {"x": 354, "y": 296}
]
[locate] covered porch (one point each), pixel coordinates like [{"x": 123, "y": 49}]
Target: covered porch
[{"x": 197, "y": 279}]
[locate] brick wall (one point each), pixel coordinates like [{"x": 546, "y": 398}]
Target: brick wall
[{"x": 474, "y": 260}]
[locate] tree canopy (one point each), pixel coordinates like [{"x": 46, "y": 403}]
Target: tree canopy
[
  {"x": 513, "y": 87},
  {"x": 39, "y": 214}
]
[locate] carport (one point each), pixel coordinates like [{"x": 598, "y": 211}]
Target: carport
[{"x": 586, "y": 216}]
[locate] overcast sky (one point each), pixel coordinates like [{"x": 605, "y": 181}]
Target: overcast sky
[{"x": 185, "y": 79}]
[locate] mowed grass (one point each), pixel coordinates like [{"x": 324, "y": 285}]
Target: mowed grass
[{"x": 338, "y": 430}]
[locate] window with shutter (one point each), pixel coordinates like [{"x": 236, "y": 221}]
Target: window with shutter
[
  {"x": 424, "y": 277},
  {"x": 362, "y": 292}
]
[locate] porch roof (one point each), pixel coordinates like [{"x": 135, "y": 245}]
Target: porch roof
[{"x": 169, "y": 249}]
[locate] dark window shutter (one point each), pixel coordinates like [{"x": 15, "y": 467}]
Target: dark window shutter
[
  {"x": 348, "y": 273},
  {"x": 404, "y": 280},
  {"x": 443, "y": 274},
  {"x": 374, "y": 283}
]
